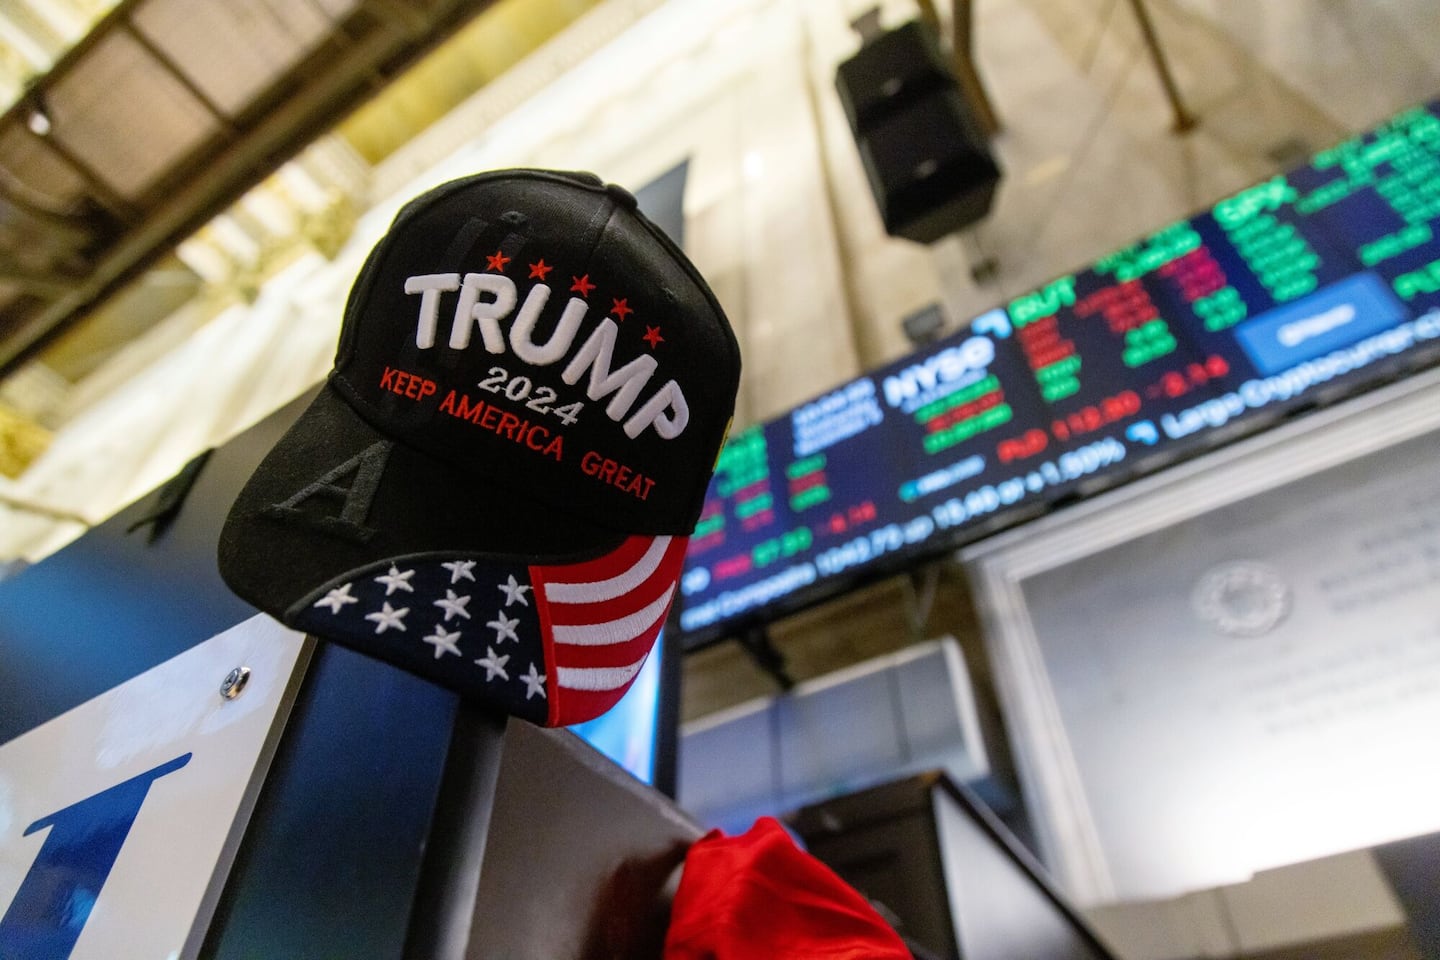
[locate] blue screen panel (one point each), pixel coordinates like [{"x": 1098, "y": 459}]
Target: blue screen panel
[{"x": 629, "y": 732}]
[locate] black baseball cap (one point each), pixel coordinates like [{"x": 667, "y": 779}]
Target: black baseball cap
[{"x": 495, "y": 486}]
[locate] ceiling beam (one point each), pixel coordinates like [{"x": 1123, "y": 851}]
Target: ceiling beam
[{"x": 375, "y": 53}]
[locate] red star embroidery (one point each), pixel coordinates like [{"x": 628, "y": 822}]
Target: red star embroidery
[
  {"x": 539, "y": 269},
  {"x": 582, "y": 285},
  {"x": 622, "y": 308},
  {"x": 497, "y": 261},
  {"x": 652, "y": 337}
]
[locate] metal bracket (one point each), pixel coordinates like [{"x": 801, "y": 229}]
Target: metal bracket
[{"x": 756, "y": 642}]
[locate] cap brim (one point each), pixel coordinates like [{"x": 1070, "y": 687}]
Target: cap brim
[
  {"x": 335, "y": 495},
  {"x": 555, "y": 644}
]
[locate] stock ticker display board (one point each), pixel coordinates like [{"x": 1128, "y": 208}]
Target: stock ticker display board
[{"x": 1312, "y": 285}]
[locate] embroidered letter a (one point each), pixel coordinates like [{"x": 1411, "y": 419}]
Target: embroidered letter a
[{"x": 352, "y": 484}]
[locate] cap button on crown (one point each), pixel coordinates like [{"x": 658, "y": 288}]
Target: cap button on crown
[{"x": 622, "y": 197}]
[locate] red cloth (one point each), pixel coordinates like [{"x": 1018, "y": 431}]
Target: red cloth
[{"x": 760, "y": 896}]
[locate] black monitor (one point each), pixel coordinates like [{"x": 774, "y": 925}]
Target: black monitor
[{"x": 952, "y": 878}]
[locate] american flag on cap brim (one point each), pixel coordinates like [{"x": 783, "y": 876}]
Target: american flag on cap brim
[{"x": 555, "y": 644}]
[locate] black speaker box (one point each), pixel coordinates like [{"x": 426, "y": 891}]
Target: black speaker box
[
  {"x": 890, "y": 72},
  {"x": 926, "y": 156},
  {"x": 929, "y": 167}
]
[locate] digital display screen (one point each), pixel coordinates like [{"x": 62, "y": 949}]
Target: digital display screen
[
  {"x": 1312, "y": 285},
  {"x": 629, "y": 732}
]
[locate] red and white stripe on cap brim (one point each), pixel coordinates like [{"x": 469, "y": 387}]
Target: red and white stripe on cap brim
[{"x": 599, "y": 620}]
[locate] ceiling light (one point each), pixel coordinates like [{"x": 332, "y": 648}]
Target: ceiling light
[{"x": 38, "y": 119}]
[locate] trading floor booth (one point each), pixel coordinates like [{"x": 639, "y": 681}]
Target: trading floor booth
[{"x": 182, "y": 777}]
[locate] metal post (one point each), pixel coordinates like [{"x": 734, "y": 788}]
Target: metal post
[
  {"x": 962, "y": 64},
  {"x": 1184, "y": 119},
  {"x": 961, "y": 50},
  {"x": 445, "y": 896},
  {"x": 756, "y": 642}
]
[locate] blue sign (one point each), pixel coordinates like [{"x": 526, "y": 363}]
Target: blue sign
[
  {"x": 56, "y": 896},
  {"x": 1336, "y": 317},
  {"x": 122, "y": 815}
]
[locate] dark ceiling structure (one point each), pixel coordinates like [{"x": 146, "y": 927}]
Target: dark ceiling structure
[{"x": 161, "y": 117}]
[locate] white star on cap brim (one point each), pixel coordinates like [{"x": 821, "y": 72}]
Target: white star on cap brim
[
  {"x": 337, "y": 598},
  {"x": 444, "y": 642},
  {"x": 494, "y": 664},
  {"x": 387, "y": 617},
  {"x": 460, "y": 570},
  {"x": 395, "y": 580},
  {"x": 454, "y": 606},
  {"x": 504, "y": 628},
  {"x": 534, "y": 683},
  {"x": 514, "y": 591}
]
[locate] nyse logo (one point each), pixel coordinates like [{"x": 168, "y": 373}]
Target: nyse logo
[
  {"x": 939, "y": 374},
  {"x": 55, "y": 898}
]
